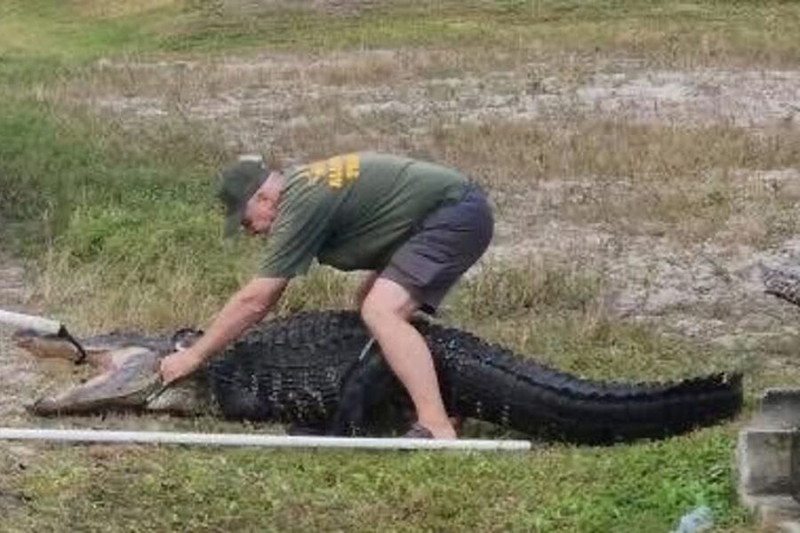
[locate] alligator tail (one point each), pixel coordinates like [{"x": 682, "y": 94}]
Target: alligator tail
[{"x": 491, "y": 383}]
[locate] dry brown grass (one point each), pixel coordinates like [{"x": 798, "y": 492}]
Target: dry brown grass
[{"x": 692, "y": 183}]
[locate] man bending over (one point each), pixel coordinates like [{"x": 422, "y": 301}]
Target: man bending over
[{"x": 416, "y": 227}]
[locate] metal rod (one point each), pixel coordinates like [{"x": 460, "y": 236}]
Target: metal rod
[{"x": 269, "y": 441}]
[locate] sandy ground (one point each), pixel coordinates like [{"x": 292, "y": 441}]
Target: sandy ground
[
  {"x": 19, "y": 379},
  {"x": 265, "y": 98},
  {"x": 707, "y": 290}
]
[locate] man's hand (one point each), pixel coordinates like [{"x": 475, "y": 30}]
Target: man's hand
[
  {"x": 179, "y": 364},
  {"x": 245, "y": 308}
]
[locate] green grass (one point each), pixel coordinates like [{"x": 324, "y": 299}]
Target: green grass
[
  {"x": 753, "y": 31},
  {"x": 48, "y": 29},
  {"x": 644, "y": 487}
]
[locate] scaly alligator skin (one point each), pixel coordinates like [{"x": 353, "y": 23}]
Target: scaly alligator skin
[
  {"x": 306, "y": 369},
  {"x": 781, "y": 283}
]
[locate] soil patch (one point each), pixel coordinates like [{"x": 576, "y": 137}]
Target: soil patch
[{"x": 19, "y": 380}]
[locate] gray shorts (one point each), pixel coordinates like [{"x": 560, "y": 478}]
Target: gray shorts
[{"x": 445, "y": 244}]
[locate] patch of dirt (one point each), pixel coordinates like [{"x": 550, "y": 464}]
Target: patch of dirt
[
  {"x": 253, "y": 7},
  {"x": 258, "y": 101},
  {"x": 19, "y": 380},
  {"x": 10, "y": 501},
  {"x": 704, "y": 291},
  {"x": 710, "y": 290}
]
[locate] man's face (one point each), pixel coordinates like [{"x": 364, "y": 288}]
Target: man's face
[{"x": 259, "y": 214}]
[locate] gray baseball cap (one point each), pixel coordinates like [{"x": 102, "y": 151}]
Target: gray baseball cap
[{"x": 237, "y": 184}]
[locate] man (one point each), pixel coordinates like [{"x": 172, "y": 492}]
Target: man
[{"x": 415, "y": 226}]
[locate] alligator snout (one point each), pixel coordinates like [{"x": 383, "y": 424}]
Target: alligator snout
[
  {"x": 127, "y": 386},
  {"x": 127, "y": 369}
]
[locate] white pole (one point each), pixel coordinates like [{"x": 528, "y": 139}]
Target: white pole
[
  {"x": 269, "y": 441},
  {"x": 37, "y": 323}
]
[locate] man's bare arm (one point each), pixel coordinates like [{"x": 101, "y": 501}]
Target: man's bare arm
[{"x": 248, "y": 306}]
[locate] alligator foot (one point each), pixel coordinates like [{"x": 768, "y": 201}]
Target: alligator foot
[{"x": 368, "y": 382}]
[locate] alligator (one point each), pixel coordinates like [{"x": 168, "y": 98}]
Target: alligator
[{"x": 321, "y": 371}]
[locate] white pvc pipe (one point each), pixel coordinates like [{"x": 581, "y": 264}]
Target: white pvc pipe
[
  {"x": 37, "y": 323},
  {"x": 268, "y": 441}
]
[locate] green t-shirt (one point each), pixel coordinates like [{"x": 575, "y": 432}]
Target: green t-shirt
[{"x": 353, "y": 211}]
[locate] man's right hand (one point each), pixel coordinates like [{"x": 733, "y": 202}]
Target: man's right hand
[
  {"x": 245, "y": 308},
  {"x": 178, "y": 365}
]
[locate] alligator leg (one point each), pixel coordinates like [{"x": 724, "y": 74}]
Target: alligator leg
[{"x": 367, "y": 384}]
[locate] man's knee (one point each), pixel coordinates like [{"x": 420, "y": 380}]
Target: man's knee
[
  {"x": 386, "y": 302},
  {"x": 376, "y": 312}
]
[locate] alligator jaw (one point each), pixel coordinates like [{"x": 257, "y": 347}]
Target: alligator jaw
[
  {"x": 53, "y": 347},
  {"x": 128, "y": 374},
  {"x": 127, "y": 386},
  {"x": 104, "y": 356},
  {"x": 45, "y": 346}
]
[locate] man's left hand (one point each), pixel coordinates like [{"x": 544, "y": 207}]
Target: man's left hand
[{"x": 179, "y": 364}]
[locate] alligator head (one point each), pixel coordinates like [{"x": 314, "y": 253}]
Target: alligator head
[{"x": 127, "y": 375}]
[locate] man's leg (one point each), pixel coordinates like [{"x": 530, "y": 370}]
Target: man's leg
[
  {"x": 386, "y": 311},
  {"x": 366, "y": 285}
]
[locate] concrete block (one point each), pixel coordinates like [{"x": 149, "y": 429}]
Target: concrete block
[
  {"x": 768, "y": 461},
  {"x": 778, "y": 409},
  {"x": 764, "y": 458}
]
